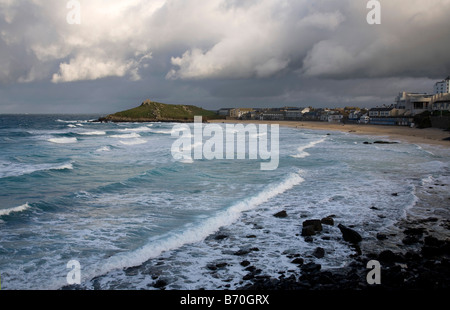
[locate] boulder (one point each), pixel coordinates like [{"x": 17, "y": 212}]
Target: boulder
[
  {"x": 349, "y": 234},
  {"x": 319, "y": 252},
  {"x": 311, "y": 227},
  {"x": 281, "y": 214},
  {"x": 327, "y": 221}
]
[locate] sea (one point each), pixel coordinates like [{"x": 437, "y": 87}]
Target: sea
[{"x": 111, "y": 197}]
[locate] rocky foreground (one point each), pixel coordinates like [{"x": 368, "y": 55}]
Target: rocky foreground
[{"x": 427, "y": 267}]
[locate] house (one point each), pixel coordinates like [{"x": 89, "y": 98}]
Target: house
[
  {"x": 413, "y": 103},
  {"x": 381, "y": 112},
  {"x": 240, "y": 112},
  {"x": 440, "y": 102},
  {"x": 293, "y": 114},
  {"x": 273, "y": 115}
]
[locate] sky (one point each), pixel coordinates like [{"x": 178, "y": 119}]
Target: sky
[{"x": 217, "y": 53}]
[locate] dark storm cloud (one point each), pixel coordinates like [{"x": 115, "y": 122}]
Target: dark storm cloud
[{"x": 217, "y": 53}]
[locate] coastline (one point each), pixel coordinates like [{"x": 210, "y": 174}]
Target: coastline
[
  {"x": 414, "y": 253},
  {"x": 431, "y": 136}
]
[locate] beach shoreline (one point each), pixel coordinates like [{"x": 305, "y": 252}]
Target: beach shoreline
[
  {"x": 414, "y": 252},
  {"x": 426, "y": 136}
]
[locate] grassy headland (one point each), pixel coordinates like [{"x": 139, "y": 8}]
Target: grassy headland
[{"x": 150, "y": 111}]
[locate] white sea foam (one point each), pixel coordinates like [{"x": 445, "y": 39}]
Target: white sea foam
[
  {"x": 138, "y": 129},
  {"x": 9, "y": 169},
  {"x": 14, "y": 210},
  {"x": 136, "y": 141},
  {"x": 301, "y": 150},
  {"x": 127, "y": 136},
  {"x": 93, "y": 133},
  {"x": 63, "y": 140},
  {"x": 165, "y": 132},
  {"x": 71, "y": 126},
  {"x": 103, "y": 149},
  {"x": 195, "y": 233}
]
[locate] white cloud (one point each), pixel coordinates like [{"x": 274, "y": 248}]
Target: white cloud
[{"x": 221, "y": 39}]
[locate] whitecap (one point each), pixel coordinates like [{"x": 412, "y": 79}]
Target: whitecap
[
  {"x": 14, "y": 210},
  {"x": 133, "y": 142},
  {"x": 301, "y": 150},
  {"x": 63, "y": 140},
  {"x": 8, "y": 169},
  {"x": 104, "y": 149},
  {"x": 92, "y": 133},
  {"x": 127, "y": 136},
  {"x": 165, "y": 132},
  {"x": 138, "y": 129}
]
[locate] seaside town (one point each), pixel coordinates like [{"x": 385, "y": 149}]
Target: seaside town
[{"x": 408, "y": 109}]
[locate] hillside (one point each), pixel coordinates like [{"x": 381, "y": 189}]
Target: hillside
[{"x": 150, "y": 111}]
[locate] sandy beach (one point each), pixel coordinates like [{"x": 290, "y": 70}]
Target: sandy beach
[{"x": 431, "y": 136}]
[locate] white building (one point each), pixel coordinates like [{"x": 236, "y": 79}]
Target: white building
[
  {"x": 442, "y": 87},
  {"x": 413, "y": 103}
]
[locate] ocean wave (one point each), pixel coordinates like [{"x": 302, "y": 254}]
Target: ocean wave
[
  {"x": 138, "y": 129},
  {"x": 165, "y": 132},
  {"x": 63, "y": 140},
  {"x": 8, "y": 169},
  {"x": 92, "y": 133},
  {"x": 197, "y": 233},
  {"x": 103, "y": 149},
  {"x": 301, "y": 150},
  {"x": 127, "y": 136},
  {"x": 134, "y": 141},
  {"x": 14, "y": 210}
]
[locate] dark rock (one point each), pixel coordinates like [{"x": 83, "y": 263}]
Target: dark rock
[
  {"x": 281, "y": 214},
  {"x": 250, "y": 236},
  {"x": 432, "y": 241},
  {"x": 309, "y": 239},
  {"x": 221, "y": 265},
  {"x": 248, "y": 276},
  {"x": 349, "y": 234},
  {"x": 254, "y": 249},
  {"x": 414, "y": 231},
  {"x": 381, "y": 236},
  {"x": 220, "y": 237},
  {"x": 308, "y": 231},
  {"x": 245, "y": 263},
  {"x": 316, "y": 224},
  {"x": 390, "y": 257},
  {"x": 366, "y": 142},
  {"x": 160, "y": 284},
  {"x": 431, "y": 251},
  {"x": 394, "y": 194},
  {"x": 211, "y": 267},
  {"x": 327, "y": 221},
  {"x": 410, "y": 239},
  {"x": 298, "y": 261},
  {"x": 311, "y": 267},
  {"x": 311, "y": 227},
  {"x": 250, "y": 268},
  {"x": 241, "y": 252},
  {"x": 319, "y": 252}
]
